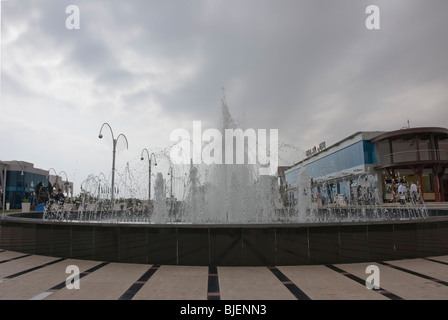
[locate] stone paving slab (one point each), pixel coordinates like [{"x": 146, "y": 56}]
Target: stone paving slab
[
  {"x": 15, "y": 265},
  {"x": 429, "y": 267},
  {"x": 176, "y": 283},
  {"x": 108, "y": 283},
  {"x": 6, "y": 255},
  {"x": 322, "y": 283},
  {"x": 403, "y": 284},
  {"x": 38, "y": 281},
  {"x": 43, "y": 278},
  {"x": 441, "y": 258},
  {"x": 251, "y": 283}
]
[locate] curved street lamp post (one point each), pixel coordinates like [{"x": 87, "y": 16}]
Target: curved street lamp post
[
  {"x": 3, "y": 183},
  {"x": 57, "y": 178},
  {"x": 114, "y": 147},
  {"x": 149, "y": 170}
]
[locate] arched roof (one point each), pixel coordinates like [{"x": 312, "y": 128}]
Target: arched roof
[{"x": 407, "y": 132}]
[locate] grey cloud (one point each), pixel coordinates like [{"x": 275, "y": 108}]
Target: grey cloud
[{"x": 309, "y": 68}]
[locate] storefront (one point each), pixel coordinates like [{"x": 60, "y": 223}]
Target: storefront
[
  {"x": 413, "y": 155},
  {"x": 341, "y": 174},
  {"x": 368, "y": 167}
]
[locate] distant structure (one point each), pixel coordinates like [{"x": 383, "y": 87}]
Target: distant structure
[
  {"x": 20, "y": 180},
  {"x": 377, "y": 162}
]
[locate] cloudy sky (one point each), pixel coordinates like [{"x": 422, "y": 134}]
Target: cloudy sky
[{"x": 309, "y": 68}]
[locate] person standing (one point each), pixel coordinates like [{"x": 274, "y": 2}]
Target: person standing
[
  {"x": 413, "y": 192},
  {"x": 402, "y": 191},
  {"x": 60, "y": 198}
]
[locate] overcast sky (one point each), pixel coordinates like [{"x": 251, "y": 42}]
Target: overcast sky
[{"x": 309, "y": 68}]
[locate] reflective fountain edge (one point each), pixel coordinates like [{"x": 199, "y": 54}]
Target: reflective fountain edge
[{"x": 229, "y": 244}]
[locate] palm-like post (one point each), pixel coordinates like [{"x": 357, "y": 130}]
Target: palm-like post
[
  {"x": 171, "y": 189},
  {"x": 114, "y": 149},
  {"x": 3, "y": 182},
  {"x": 149, "y": 170},
  {"x": 57, "y": 178}
]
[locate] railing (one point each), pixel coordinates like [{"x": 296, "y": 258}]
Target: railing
[{"x": 412, "y": 156}]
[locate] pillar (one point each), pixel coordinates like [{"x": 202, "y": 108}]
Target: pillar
[
  {"x": 436, "y": 170},
  {"x": 419, "y": 172}
]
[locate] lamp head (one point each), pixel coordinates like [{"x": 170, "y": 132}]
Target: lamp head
[
  {"x": 100, "y": 136},
  {"x": 141, "y": 158}
]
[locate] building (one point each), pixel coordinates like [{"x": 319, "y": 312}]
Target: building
[
  {"x": 367, "y": 167},
  {"x": 336, "y": 170},
  {"x": 418, "y": 154},
  {"x": 19, "y": 179}
]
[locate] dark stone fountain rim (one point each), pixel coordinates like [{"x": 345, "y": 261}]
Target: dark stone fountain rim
[{"x": 248, "y": 244}]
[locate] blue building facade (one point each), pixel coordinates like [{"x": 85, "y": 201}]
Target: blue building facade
[
  {"x": 341, "y": 172},
  {"x": 21, "y": 186},
  {"x": 368, "y": 167},
  {"x": 358, "y": 154},
  {"x": 18, "y": 182}
]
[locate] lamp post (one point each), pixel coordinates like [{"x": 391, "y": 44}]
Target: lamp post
[
  {"x": 57, "y": 177},
  {"x": 171, "y": 189},
  {"x": 3, "y": 183},
  {"x": 114, "y": 147},
  {"x": 65, "y": 183},
  {"x": 49, "y": 180},
  {"x": 149, "y": 170}
]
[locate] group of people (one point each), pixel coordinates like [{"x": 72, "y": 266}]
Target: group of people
[
  {"x": 58, "y": 198},
  {"x": 44, "y": 195},
  {"x": 403, "y": 193}
]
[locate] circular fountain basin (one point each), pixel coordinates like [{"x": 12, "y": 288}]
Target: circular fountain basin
[{"x": 227, "y": 244}]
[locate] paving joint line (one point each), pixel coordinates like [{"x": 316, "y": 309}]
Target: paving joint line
[
  {"x": 415, "y": 273},
  {"x": 213, "y": 284},
  {"x": 435, "y": 260},
  {"x": 15, "y": 258},
  {"x": 137, "y": 285},
  {"x": 61, "y": 285},
  {"x": 290, "y": 285},
  {"x": 14, "y": 275},
  {"x": 362, "y": 282}
]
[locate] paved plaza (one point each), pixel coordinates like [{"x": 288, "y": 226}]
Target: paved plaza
[{"x": 35, "y": 277}]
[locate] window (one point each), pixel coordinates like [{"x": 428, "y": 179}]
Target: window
[
  {"x": 443, "y": 148},
  {"x": 292, "y": 177},
  {"x": 357, "y": 154}
]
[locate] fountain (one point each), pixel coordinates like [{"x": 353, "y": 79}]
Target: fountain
[
  {"x": 160, "y": 209},
  {"x": 229, "y": 215}
]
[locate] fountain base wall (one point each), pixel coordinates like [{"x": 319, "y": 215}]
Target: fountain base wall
[{"x": 228, "y": 245}]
